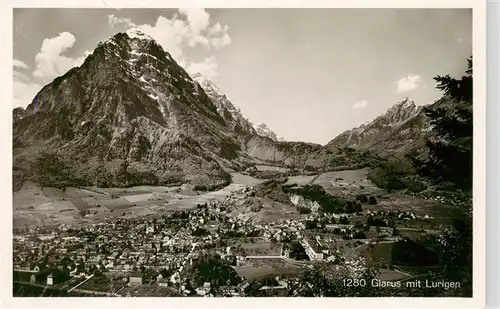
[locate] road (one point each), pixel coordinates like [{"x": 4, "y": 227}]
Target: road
[
  {"x": 264, "y": 257},
  {"x": 87, "y": 279},
  {"x": 281, "y": 257},
  {"x": 314, "y": 179},
  {"x": 418, "y": 230}
]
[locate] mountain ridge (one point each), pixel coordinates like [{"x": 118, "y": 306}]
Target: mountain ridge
[
  {"x": 130, "y": 105},
  {"x": 377, "y": 134},
  {"x": 231, "y": 113},
  {"x": 131, "y": 115}
]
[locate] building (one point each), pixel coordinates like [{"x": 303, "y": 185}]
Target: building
[
  {"x": 204, "y": 290},
  {"x": 150, "y": 228},
  {"x": 50, "y": 280},
  {"x": 313, "y": 249},
  {"x": 163, "y": 282},
  {"x": 135, "y": 279}
]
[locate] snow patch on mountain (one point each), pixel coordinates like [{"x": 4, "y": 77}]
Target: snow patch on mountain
[
  {"x": 135, "y": 33},
  {"x": 224, "y": 105}
]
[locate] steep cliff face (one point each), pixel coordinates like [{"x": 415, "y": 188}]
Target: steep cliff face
[
  {"x": 231, "y": 114},
  {"x": 130, "y": 109}
]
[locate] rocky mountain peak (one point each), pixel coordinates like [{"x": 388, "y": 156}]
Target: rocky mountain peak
[
  {"x": 135, "y": 33},
  {"x": 207, "y": 85},
  {"x": 226, "y": 109},
  {"x": 401, "y": 118},
  {"x": 130, "y": 102},
  {"x": 231, "y": 113},
  {"x": 263, "y": 130},
  {"x": 401, "y": 111}
]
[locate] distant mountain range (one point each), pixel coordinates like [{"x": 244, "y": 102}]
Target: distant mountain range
[
  {"x": 402, "y": 129},
  {"x": 130, "y": 115}
]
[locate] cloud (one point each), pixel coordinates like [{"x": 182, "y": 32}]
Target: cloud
[
  {"x": 458, "y": 37},
  {"x": 360, "y": 104},
  {"x": 50, "y": 62},
  {"x": 408, "y": 83},
  {"x": 207, "y": 68},
  {"x": 19, "y": 64},
  {"x": 24, "y": 90},
  {"x": 79, "y": 61},
  {"x": 188, "y": 28},
  {"x": 113, "y": 21}
]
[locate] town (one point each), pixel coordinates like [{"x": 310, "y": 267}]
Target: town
[{"x": 168, "y": 254}]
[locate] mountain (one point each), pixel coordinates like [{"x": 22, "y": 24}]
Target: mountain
[
  {"x": 231, "y": 114},
  {"x": 128, "y": 115},
  {"x": 18, "y": 113},
  {"x": 263, "y": 130},
  {"x": 402, "y": 128},
  {"x": 263, "y": 146}
]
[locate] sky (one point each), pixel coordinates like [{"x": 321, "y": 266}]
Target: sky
[{"x": 308, "y": 74}]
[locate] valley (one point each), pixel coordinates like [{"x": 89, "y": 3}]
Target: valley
[{"x": 133, "y": 177}]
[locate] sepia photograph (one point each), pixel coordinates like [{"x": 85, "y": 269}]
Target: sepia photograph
[{"x": 243, "y": 152}]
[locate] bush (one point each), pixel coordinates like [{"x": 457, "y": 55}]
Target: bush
[
  {"x": 316, "y": 193},
  {"x": 213, "y": 269},
  {"x": 359, "y": 235},
  {"x": 410, "y": 253},
  {"x": 303, "y": 210},
  {"x": 200, "y": 232},
  {"x": 310, "y": 225},
  {"x": 343, "y": 220},
  {"x": 372, "y": 200},
  {"x": 256, "y": 207},
  {"x": 415, "y": 186},
  {"x": 51, "y": 171},
  {"x": 388, "y": 177},
  {"x": 297, "y": 252},
  {"x": 362, "y": 198}
]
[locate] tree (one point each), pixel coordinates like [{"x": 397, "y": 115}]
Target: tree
[
  {"x": 450, "y": 160},
  {"x": 343, "y": 220},
  {"x": 450, "y": 151},
  {"x": 372, "y": 200}
]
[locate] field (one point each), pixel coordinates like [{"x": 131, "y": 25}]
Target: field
[
  {"x": 148, "y": 291},
  {"x": 33, "y": 205},
  {"x": 270, "y": 211},
  {"x": 392, "y": 275},
  {"x": 300, "y": 180},
  {"x": 47, "y": 206},
  {"x": 258, "y": 248},
  {"x": 271, "y": 168},
  {"x": 245, "y": 179},
  {"x": 381, "y": 252},
  {"x": 347, "y": 183},
  {"x": 258, "y": 268}
]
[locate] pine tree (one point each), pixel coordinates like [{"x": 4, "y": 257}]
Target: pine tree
[
  {"x": 450, "y": 151},
  {"x": 450, "y": 160}
]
